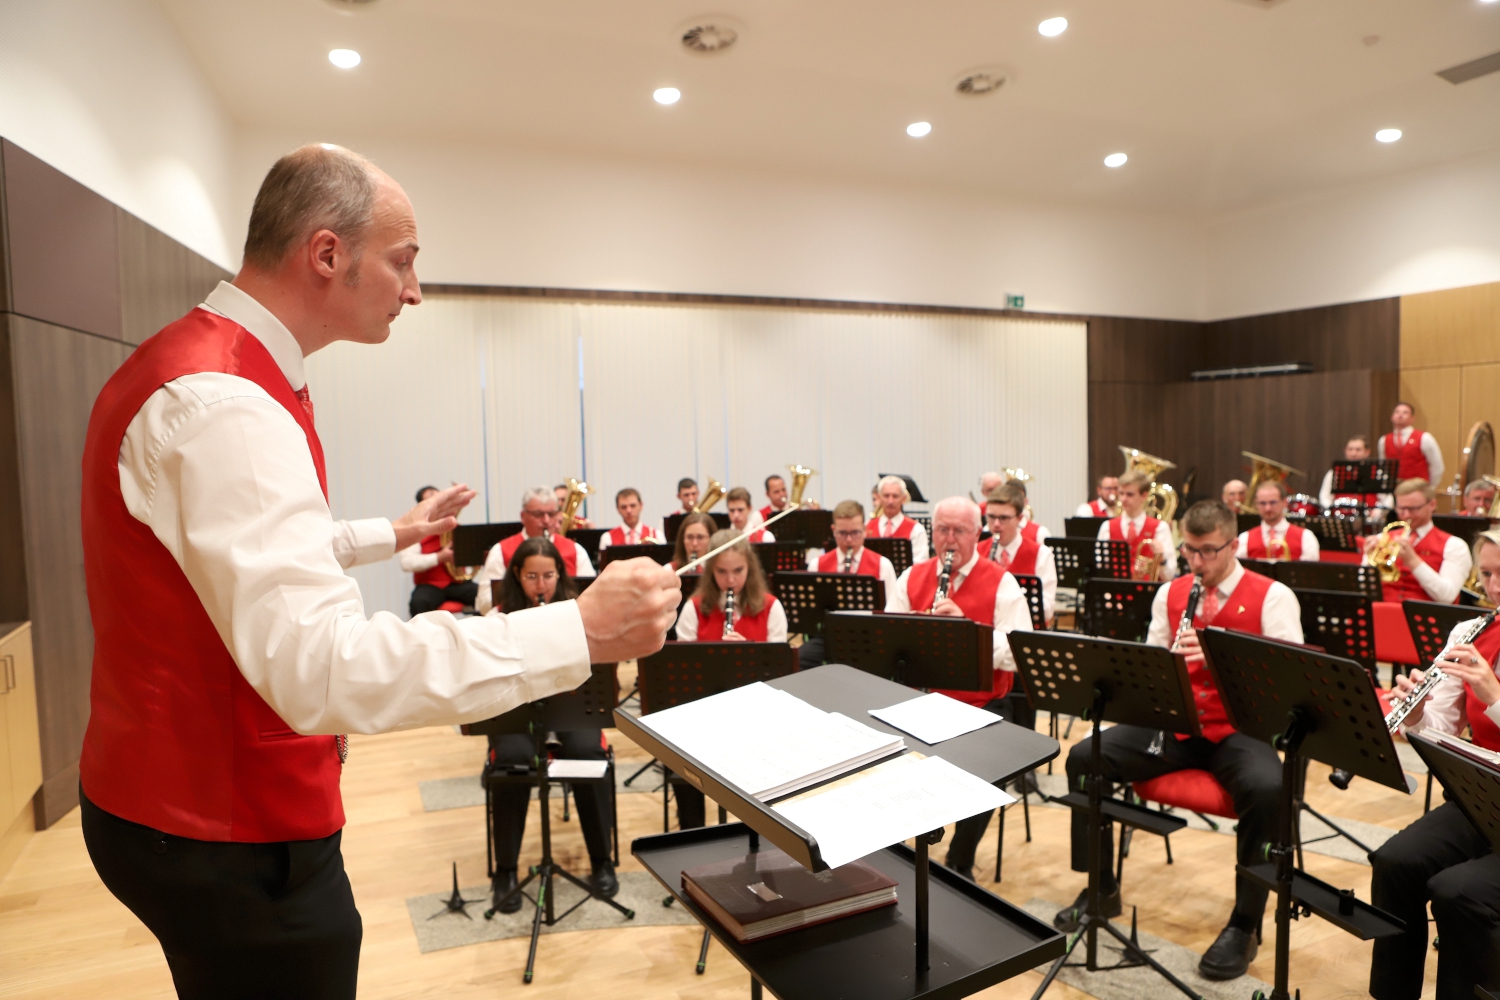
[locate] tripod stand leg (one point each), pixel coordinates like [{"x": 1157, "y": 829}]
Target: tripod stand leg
[
  {"x": 536, "y": 925},
  {"x": 1057, "y": 966},
  {"x": 1340, "y": 831},
  {"x": 1133, "y": 950},
  {"x": 703, "y": 953}
]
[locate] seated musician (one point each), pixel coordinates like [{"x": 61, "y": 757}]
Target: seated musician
[
  {"x": 428, "y": 561},
  {"x": 561, "y": 492},
  {"x": 1029, "y": 528},
  {"x": 758, "y": 617},
  {"x": 631, "y": 531},
  {"x": 1249, "y": 769},
  {"x": 1277, "y": 539},
  {"x": 737, "y": 501},
  {"x": 776, "y": 493},
  {"x": 687, "y": 494},
  {"x": 1010, "y": 549},
  {"x": 1104, "y": 501},
  {"x": 1434, "y": 564},
  {"x": 1442, "y": 857},
  {"x": 848, "y": 556},
  {"x": 537, "y": 574},
  {"x": 889, "y": 522},
  {"x": 692, "y": 538},
  {"x": 1234, "y": 494},
  {"x": 1150, "y": 540},
  {"x": 1417, "y": 452},
  {"x": 539, "y": 516},
  {"x": 980, "y": 591},
  {"x": 1356, "y": 449},
  {"x": 988, "y": 483},
  {"x": 1479, "y": 497}
]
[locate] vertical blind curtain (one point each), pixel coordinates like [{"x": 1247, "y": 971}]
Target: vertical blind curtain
[{"x": 506, "y": 393}]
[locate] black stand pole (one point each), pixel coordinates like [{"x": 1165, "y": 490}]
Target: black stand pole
[{"x": 1281, "y": 852}]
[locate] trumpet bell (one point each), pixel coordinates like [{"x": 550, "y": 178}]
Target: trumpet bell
[
  {"x": 1019, "y": 475},
  {"x": 800, "y": 475},
  {"x": 576, "y": 492},
  {"x": 715, "y": 493}
]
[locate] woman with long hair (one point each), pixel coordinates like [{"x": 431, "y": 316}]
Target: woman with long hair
[
  {"x": 758, "y": 616},
  {"x": 534, "y": 576},
  {"x": 692, "y": 538}
]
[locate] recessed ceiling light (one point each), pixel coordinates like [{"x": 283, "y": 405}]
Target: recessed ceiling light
[
  {"x": 1053, "y": 26},
  {"x": 666, "y": 95},
  {"x": 1388, "y": 135},
  {"x": 344, "y": 58},
  {"x": 1115, "y": 160},
  {"x": 918, "y": 129}
]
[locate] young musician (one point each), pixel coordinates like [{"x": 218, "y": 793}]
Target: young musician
[
  {"x": 1029, "y": 528},
  {"x": 776, "y": 493},
  {"x": 561, "y": 492},
  {"x": 535, "y": 575},
  {"x": 1479, "y": 497},
  {"x": 1277, "y": 539},
  {"x": 1104, "y": 499},
  {"x": 982, "y": 592},
  {"x": 687, "y": 495},
  {"x": 428, "y": 561},
  {"x": 889, "y": 522},
  {"x": 1249, "y": 769},
  {"x": 1418, "y": 452},
  {"x": 1146, "y": 536},
  {"x": 1442, "y": 857},
  {"x": 1435, "y": 566},
  {"x": 737, "y": 501},
  {"x": 692, "y": 538},
  {"x": 1234, "y": 494},
  {"x": 1009, "y": 548},
  {"x": 632, "y": 531},
  {"x": 539, "y": 517},
  {"x": 1356, "y": 449},
  {"x": 848, "y": 556}
]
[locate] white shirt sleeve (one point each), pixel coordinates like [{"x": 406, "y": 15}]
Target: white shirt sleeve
[
  {"x": 1242, "y": 551},
  {"x": 1325, "y": 492},
  {"x": 414, "y": 560},
  {"x": 920, "y": 552},
  {"x": 767, "y": 537},
  {"x": 1443, "y": 585},
  {"x": 1380, "y": 447},
  {"x": 1103, "y": 535},
  {"x": 492, "y": 570},
  {"x": 1084, "y": 510},
  {"x": 1280, "y": 615},
  {"x": 1434, "y": 456},
  {"x": 1168, "y": 551},
  {"x": 1012, "y": 614},
  {"x": 1042, "y": 534},
  {"x": 1046, "y": 571},
  {"x": 888, "y": 577},
  {"x": 1446, "y": 711},
  {"x": 1311, "y": 550},
  {"x": 585, "y": 566},
  {"x": 896, "y": 599},
  {"x": 1161, "y": 631},
  {"x": 687, "y": 622},
  {"x": 604, "y": 542},
  {"x": 776, "y": 622},
  {"x": 368, "y": 540},
  {"x": 222, "y": 475}
]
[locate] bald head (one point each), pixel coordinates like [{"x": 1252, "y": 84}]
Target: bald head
[
  {"x": 318, "y": 186},
  {"x": 990, "y": 482}
]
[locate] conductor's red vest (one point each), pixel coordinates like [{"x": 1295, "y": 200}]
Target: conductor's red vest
[
  {"x": 976, "y": 599},
  {"x": 437, "y": 576},
  {"x": 178, "y": 740},
  {"x": 1255, "y": 544},
  {"x": 1429, "y": 549},
  {"x": 1241, "y": 613},
  {"x": 566, "y": 548},
  {"x": 833, "y": 561},
  {"x": 1486, "y": 733},
  {"x": 752, "y": 627},
  {"x": 1412, "y": 463}
]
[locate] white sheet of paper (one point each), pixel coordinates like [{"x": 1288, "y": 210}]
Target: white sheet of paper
[
  {"x": 933, "y": 718},
  {"x": 561, "y": 769},
  {"x": 888, "y": 804}
]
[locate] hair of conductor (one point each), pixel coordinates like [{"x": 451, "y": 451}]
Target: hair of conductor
[{"x": 312, "y": 188}]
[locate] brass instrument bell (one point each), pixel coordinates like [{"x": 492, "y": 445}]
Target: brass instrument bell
[
  {"x": 1385, "y": 556},
  {"x": 576, "y": 492},
  {"x": 1161, "y": 499},
  {"x": 1264, "y": 470},
  {"x": 715, "y": 493},
  {"x": 800, "y": 475}
]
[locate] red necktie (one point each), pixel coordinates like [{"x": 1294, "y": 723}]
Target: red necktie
[
  {"x": 1210, "y": 607},
  {"x": 1132, "y": 534},
  {"x": 306, "y": 400},
  {"x": 1004, "y": 560},
  {"x": 886, "y": 528}
]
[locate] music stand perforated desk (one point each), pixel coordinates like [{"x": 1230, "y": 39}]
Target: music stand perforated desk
[
  {"x": 781, "y": 557},
  {"x": 1119, "y": 609},
  {"x": 1431, "y": 623},
  {"x": 1079, "y": 559},
  {"x": 615, "y": 553},
  {"x": 1370, "y": 476},
  {"x": 897, "y": 550},
  {"x": 807, "y": 597}
]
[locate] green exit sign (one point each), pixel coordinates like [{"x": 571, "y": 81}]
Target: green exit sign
[{"x": 1015, "y": 302}]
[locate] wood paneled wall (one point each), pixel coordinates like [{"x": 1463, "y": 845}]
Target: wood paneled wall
[{"x": 81, "y": 283}]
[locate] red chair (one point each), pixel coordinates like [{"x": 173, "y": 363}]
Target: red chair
[
  {"x": 454, "y": 606},
  {"x": 1192, "y": 789},
  {"x": 1393, "y": 642}
]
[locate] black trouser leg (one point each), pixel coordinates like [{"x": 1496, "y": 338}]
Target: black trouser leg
[
  {"x": 511, "y": 801},
  {"x": 424, "y": 598},
  {"x": 235, "y": 921},
  {"x": 968, "y": 832},
  {"x": 592, "y": 799},
  {"x": 1251, "y": 772},
  {"x": 690, "y": 810},
  {"x": 462, "y": 591},
  {"x": 1402, "y": 879},
  {"x": 1466, "y": 906},
  {"x": 810, "y": 654}
]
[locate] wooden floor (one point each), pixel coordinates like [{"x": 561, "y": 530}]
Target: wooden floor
[{"x": 63, "y": 935}]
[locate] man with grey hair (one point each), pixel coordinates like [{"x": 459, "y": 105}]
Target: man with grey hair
[
  {"x": 539, "y": 515},
  {"x": 230, "y": 647},
  {"x": 1479, "y": 498},
  {"x": 888, "y": 521}
]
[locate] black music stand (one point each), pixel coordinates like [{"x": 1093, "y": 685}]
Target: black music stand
[
  {"x": 1334, "y": 533},
  {"x": 812, "y": 528},
  {"x": 781, "y": 557},
  {"x": 1370, "y": 476},
  {"x": 589, "y": 706},
  {"x": 1465, "y": 526},
  {"x": 1315, "y": 706},
  {"x": 807, "y": 597},
  {"x": 588, "y": 540},
  {"x": 1080, "y": 559},
  {"x": 1345, "y": 577},
  {"x": 1107, "y": 681},
  {"x": 671, "y": 521},
  {"x": 1082, "y": 527},
  {"x": 1119, "y": 609},
  {"x": 1343, "y": 624},
  {"x": 920, "y": 651},
  {"x": 1470, "y": 781},
  {"x": 897, "y": 550},
  {"x": 661, "y": 553},
  {"x": 1431, "y": 624},
  {"x": 472, "y": 542},
  {"x": 1031, "y": 586},
  {"x": 1245, "y": 522}
]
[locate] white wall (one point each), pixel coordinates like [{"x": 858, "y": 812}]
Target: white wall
[{"x": 105, "y": 91}]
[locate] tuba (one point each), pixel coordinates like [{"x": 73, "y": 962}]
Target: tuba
[
  {"x": 715, "y": 493},
  {"x": 800, "y": 475},
  {"x": 1161, "y": 502},
  {"x": 1264, "y": 470},
  {"x": 576, "y": 492},
  {"x": 1385, "y": 556}
]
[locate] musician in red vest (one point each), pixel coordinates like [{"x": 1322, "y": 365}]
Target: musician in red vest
[
  {"x": 988, "y": 483},
  {"x": 890, "y": 522},
  {"x": 1235, "y": 598},
  {"x": 1148, "y": 538},
  {"x": 737, "y": 502},
  {"x": 848, "y": 556},
  {"x": 1416, "y": 450},
  {"x": 1103, "y": 504},
  {"x": 1276, "y": 539},
  {"x": 230, "y": 647},
  {"x": 980, "y": 591},
  {"x": 1356, "y": 449},
  {"x": 777, "y": 494},
  {"x": 1442, "y": 858},
  {"x": 1434, "y": 564},
  {"x": 632, "y": 531},
  {"x": 428, "y": 561},
  {"x": 540, "y": 515},
  {"x": 1010, "y": 549},
  {"x": 1479, "y": 498},
  {"x": 687, "y": 494}
]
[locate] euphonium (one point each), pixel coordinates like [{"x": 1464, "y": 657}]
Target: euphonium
[
  {"x": 1161, "y": 500},
  {"x": 800, "y": 475},
  {"x": 1385, "y": 556},
  {"x": 1264, "y": 470},
  {"x": 715, "y": 493},
  {"x": 576, "y": 492},
  {"x": 459, "y": 574}
]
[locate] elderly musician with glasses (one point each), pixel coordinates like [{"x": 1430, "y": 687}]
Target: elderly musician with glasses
[
  {"x": 539, "y": 518},
  {"x": 1232, "y": 597},
  {"x": 1434, "y": 564}
]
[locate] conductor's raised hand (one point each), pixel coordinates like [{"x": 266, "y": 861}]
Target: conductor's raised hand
[
  {"x": 433, "y": 516},
  {"x": 628, "y": 609}
]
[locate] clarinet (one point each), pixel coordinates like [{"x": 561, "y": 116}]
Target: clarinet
[
  {"x": 1183, "y": 624},
  {"x": 945, "y": 577},
  {"x": 728, "y": 613},
  {"x": 1402, "y": 707}
]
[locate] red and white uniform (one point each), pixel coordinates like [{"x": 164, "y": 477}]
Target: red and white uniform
[
  {"x": 759, "y": 535},
  {"x": 1440, "y": 577},
  {"x": 1094, "y": 508},
  {"x": 1293, "y": 542},
  {"x": 900, "y": 526},
  {"x": 767, "y": 626},
  {"x": 1134, "y": 529},
  {"x": 759, "y": 517},
  {"x": 1243, "y": 601},
  {"x": 1025, "y": 557},
  {"x": 861, "y": 561},
  {"x": 1416, "y": 451},
  {"x": 1453, "y": 704},
  {"x": 575, "y": 561},
  {"x": 421, "y": 562},
  {"x": 1030, "y": 529},
  {"x": 641, "y": 534},
  {"x": 985, "y": 594}
]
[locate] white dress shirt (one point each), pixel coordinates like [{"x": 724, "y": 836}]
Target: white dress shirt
[
  {"x": 1442, "y": 585},
  {"x": 887, "y": 569},
  {"x": 1011, "y": 610},
  {"x": 1163, "y": 539},
  {"x": 494, "y": 569},
  {"x": 687, "y": 623},
  {"x": 1325, "y": 494},
  {"x": 919, "y": 550},
  {"x": 414, "y": 560},
  {"x": 641, "y": 536},
  {"x": 1310, "y": 550},
  {"x": 1085, "y": 510},
  {"x": 1447, "y": 711},
  {"x": 1280, "y": 614},
  {"x": 1430, "y": 451},
  {"x": 1046, "y": 571},
  {"x": 223, "y": 476}
]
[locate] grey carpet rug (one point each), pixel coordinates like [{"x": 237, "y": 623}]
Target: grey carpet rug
[
  {"x": 459, "y": 793},
  {"x": 1142, "y": 983},
  {"x": 437, "y": 929}
]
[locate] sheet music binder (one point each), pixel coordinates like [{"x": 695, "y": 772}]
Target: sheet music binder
[
  {"x": 807, "y": 597},
  {"x": 1369, "y": 476},
  {"x": 671, "y": 521},
  {"x": 472, "y": 542},
  {"x": 920, "y": 651},
  {"x": 781, "y": 557},
  {"x": 897, "y": 550},
  {"x": 615, "y": 553}
]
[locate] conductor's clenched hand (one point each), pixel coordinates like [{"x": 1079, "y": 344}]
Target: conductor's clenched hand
[{"x": 628, "y": 609}]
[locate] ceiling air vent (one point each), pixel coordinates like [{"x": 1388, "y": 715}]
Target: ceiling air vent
[
  {"x": 982, "y": 81},
  {"x": 1471, "y": 70},
  {"x": 352, "y": 4},
  {"x": 707, "y": 36}
]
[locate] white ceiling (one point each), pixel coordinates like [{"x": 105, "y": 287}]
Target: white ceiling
[{"x": 1219, "y": 104}]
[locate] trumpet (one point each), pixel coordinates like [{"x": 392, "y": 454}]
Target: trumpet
[
  {"x": 728, "y": 613},
  {"x": 1385, "y": 555},
  {"x": 1402, "y": 707},
  {"x": 576, "y": 492},
  {"x": 715, "y": 493},
  {"x": 944, "y": 580}
]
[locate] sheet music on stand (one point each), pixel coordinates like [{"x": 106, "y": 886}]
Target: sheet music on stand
[
  {"x": 807, "y": 597},
  {"x": 1370, "y": 476},
  {"x": 616, "y": 553},
  {"x": 920, "y": 651},
  {"x": 781, "y": 557},
  {"x": 897, "y": 550}
]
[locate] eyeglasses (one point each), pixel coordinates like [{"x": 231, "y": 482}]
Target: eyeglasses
[
  {"x": 1001, "y": 518},
  {"x": 539, "y": 577},
  {"x": 954, "y": 530},
  {"x": 850, "y": 533},
  {"x": 1204, "y": 553}
]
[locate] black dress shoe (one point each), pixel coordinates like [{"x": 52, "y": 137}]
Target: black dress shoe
[
  {"x": 967, "y": 871},
  {"x": 503, "y": 882},
  {"x": 1230, "y": 955},
  {"x": 603, "y": 881},
  {"x": 1067, "y": 918}
]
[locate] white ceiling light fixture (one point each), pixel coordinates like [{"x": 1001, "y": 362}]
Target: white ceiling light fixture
[
  {"x": 1116, "y": 160},
  {"x": 344, "y": 58},
  {"x": 918, "y": 129},
  {"x": 666, "y": 95},
  {"x": 1053, "y": 26},
  {"x": 1388, "y": 135}
]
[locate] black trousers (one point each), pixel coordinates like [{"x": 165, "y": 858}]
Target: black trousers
[
  {"x": 967, "y": 833},
  {"x": 1443, "y": 858},
  {"x": 511, "y": 801},
  {"x": 236, "y": 921},
  {"x": 810, "y": 653},
  {"x": 1247, "y": 768},
  {"x": 425, "y": 597}
]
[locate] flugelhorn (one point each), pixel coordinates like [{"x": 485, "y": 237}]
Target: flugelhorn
[
  {"x": 1264, "y": 470},
  {"x": 1161, "y": 499},
  {"x": 800, "y": 475},
  {"x": 715, "y": 493},
  {"x": 576, "y": 492},
  {"x": 1385, "y": 555}
]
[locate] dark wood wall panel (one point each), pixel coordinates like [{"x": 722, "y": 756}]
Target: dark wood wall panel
[
  {"x": 14, "y": 602},
  {"x": 1143, "y": 350},
  {"x": 160, "y": 279},
  {"x": 1352, "y": 335}
]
